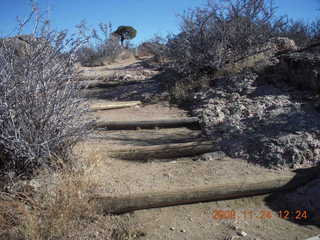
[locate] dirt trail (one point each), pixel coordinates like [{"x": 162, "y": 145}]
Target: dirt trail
[{"x": 255, "y": 218}]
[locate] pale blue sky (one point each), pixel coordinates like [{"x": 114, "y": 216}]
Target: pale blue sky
[{"x": 149, "y": 17}]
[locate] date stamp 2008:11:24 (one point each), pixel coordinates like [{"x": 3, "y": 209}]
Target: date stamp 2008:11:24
[{"x": 297, "y": 215}]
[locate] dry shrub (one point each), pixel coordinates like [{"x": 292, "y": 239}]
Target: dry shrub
[
  {"x": 59, "y": 207},
  {"x": 54, "y": 213},
  {"x": 299, "y": 31},
  {"x": 40, "y": 106},
  {"x": 220, "y": 33},
  {"x": 155, "y": 47},
  {"x": 303, "y": 33},
  {"x": 182, "y": 89},
  {"x": 11, "y": 214},
  {"x": 56, "y": 205},
  {"x": 104, "y": 48},
  {"x": 62, "y": 208}
]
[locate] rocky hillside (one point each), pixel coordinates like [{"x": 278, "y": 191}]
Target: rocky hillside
[{"x": 269, "y": 116}]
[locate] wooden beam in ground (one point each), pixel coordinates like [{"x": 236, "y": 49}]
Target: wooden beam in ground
[
  {"x": 191, "y": 122},
  {"x": 165, "y": 151},
  {"x": 113, "y": 105},
  {"x": 99, "y": 84},
  {"x": 240, "y": 188}
]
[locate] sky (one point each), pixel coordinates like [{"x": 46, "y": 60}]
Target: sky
[{"x": 149, "y": 17}]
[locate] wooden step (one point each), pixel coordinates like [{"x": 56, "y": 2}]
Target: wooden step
[
  {"x": 241, "y": 188},
  {"x": 165, "y": 151},
  {"x": 191, "y": 122}
]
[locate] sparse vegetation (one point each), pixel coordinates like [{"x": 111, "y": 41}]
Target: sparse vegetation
[
  {"x": 303, "y": 33},
  {"x": 155, "y": 47},
  {"x": 40, "y": 113},
  {"x": 59, "y": 210},
  {"x": 106, "y": 47},
  {"x": 50, "y": 179},
  {"x": 299, "y": 31},
  {"x": 216, "y": 35}
]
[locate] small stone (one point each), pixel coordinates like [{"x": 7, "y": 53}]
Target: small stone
[
  {"x": 235, "y": 227},
  {"x": 213, "y": 156},
  {"x": 183, "y": 230},
  {"x": 243, "y": 233},
  {"x": 172, "y": 228}
]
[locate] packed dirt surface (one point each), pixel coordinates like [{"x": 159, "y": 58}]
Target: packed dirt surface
[{"x": 256, "y": 217}]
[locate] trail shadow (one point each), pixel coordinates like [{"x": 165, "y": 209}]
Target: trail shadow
[
  {"x": 146, "y": 64},
  {"x": 301, "y": 214},
  {"x": 142, "y": 138},
  {"x": 150, "y": 89},
  {"x": 133, "y": 92}
]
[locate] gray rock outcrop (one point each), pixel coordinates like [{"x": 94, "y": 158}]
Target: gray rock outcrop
[{"x": 273, "y": 125}]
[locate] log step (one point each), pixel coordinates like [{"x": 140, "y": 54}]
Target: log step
[
  {"x": 113, "y": 105},
  {"x": 110, "y": 84},
  {"x": 243, "y": 188},
  {"x": 191, "y": 122},
  {"x": 165, "y": 151}
]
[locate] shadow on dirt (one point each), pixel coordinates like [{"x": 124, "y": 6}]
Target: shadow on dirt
[
  {"x": 300, "y": 214},
  {"x": 148, "y": 90},
  {"x": 148, "y": 138},
  {"x": 143, "y": 91}
]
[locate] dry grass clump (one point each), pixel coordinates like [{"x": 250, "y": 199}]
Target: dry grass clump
[
  {"x": 56, "y": 204},
  {"x": 57, "y": 210}
]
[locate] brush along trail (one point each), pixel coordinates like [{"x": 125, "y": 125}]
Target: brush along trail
[{"x": 156, "y": 170}]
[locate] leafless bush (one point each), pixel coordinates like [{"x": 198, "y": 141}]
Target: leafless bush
[
  {"x": 218, "y": 34},
  {"x": 315, "y": 30},
  {"x": 303, "y": 33},
  {"x": 221, "y": 33},
  {"x": 111, "y": 48},
  {"x": 156, "y": 47},
  {"x": 87, "y": 56},
  {"x": 299, "y": 31},
  {"x": 40, "y": 113},
  {"x": 106, "y": 46}
]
